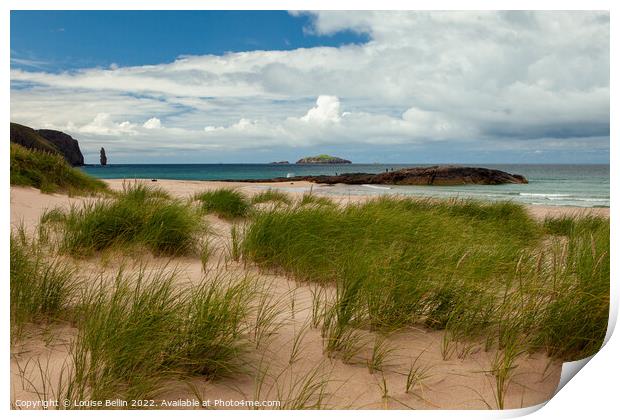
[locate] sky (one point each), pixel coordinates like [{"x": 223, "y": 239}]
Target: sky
[{"x": 392, "y": 87}]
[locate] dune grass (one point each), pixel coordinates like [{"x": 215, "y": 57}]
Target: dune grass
[
  {"x": 137, "y": 330},
  {"x": 271, "y": 195},
  {"x": 574, "y": 322},
  {"x": 50, "y": 173},
  {"x": 313, "y": 199},
  {"x": 138, "y": 216},
  {"x": 144, "y": 332},
  {"x": 140, "y": 332},
  {"x": 41, "y": 288},
  {"x": 225, "y": 202},
  {"x": 474, "y": 269}
]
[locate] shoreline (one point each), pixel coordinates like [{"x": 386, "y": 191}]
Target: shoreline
[
  {"x": 32, "y": 202},
  {"x": 184, "y": 188}
]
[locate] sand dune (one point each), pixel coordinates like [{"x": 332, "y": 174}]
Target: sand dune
[{"x": 459, "y": 381}]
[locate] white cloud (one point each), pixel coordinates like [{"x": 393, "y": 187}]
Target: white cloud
[
  {"x": 494, "y": 77},
  {"x": 327, "y": 109},
  {"x": 103, "y": 125},
  {"x": 152, "y": 123}
]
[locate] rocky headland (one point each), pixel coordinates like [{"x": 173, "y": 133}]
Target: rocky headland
[
  {"x": 432, "y": 175},
  {"x": 50, "y": 141}
]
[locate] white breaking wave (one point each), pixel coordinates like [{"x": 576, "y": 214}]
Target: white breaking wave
[
  {"x": 604, "y": 200},
  {"x": 376, "y": 187},
  {"x": 544, "y": 195}
]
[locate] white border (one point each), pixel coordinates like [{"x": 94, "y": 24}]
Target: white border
[{"x": 591, "y": 394}]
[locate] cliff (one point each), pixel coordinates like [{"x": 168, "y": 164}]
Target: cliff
[
  {"x": 30, "y": 139},
  {"x": 50, "y": 141},
  {"x": 67, "y": 145}
]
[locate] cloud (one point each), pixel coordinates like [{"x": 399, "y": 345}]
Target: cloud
[
  {"x": 152, "y": 123},
  {"x": 327, "y": 109},
  {"x": 103, "y": 125},
  {"x": 499, "y": 80}
]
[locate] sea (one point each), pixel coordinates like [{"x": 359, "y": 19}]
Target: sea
[{"x": 549, "y": 185}]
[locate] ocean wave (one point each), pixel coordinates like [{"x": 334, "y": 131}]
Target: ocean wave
[
  {"x": 544, "y": 195},
  {"x": 592, "y": 199},
  {"x": 573, "y": 198},
  {"x": 376, "y": 187}
]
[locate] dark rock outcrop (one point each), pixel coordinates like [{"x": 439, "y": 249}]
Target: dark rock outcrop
[
  {"x": 281, "y": 162},
  {"x": 433, "y": 175},
  {"x": 67, "y": 145},
  {"x": 103, "y": 159},
  {"x": 321, "y": 159},
  {"x": 30, "y": 139},
  {"x": 50, "y": 141}
]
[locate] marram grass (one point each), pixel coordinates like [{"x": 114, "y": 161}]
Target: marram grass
[
  {"x": 137, "y": 330},
  {"x": 482, "y": 271},
  {"x": 141, "y": 331},
  {"x": 224, "y": 202},
  {"x": 574, "y": 322},
  {"x": 50, "y": 173},
  {"x": 138, "y": 216},
  {"x": 42, "y": 288},
  {"x": 271, "y": 195}
]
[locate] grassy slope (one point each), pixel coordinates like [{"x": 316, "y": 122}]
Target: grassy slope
[
  {"x": 474, "y": 269},
  {"x": 50, "y": 173}
]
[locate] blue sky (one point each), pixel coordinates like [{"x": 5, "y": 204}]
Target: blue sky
[
  {"x": 420, "y": 87},
  {"x": 68, "y": 40}
]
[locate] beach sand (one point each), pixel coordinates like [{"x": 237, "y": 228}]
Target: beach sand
[{"x": 462, "y": 381}]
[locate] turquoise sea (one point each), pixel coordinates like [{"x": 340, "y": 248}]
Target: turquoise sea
[{"x": 561, "y": 185}]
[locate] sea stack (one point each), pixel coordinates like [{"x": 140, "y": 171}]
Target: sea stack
[{"x": 102, "y": 157}]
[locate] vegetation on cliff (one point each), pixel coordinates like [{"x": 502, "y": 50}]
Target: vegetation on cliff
[{"x": 50, "y": 173}]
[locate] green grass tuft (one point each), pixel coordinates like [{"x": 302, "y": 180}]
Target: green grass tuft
[
  {"x": 574, "y": 322},
  {"x": 225, "y": 202},
  {"x": 138, "y": 216},
  {"x": 143, "y": 331},
  {"x": 50, "y": 173},
  {"x": 271, "y": 195},
  {"x": 313, "y": 199},
  {"x": 42, "y": 288}
]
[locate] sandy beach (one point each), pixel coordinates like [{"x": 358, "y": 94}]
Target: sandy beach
[
  {"x": 462, "y": 381},
  {"x": 27, "y": 204}
]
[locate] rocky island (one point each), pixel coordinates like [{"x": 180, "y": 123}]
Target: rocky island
[
  {"x": 321, "y": 159},
  {"x": 432, "y": 175}
]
